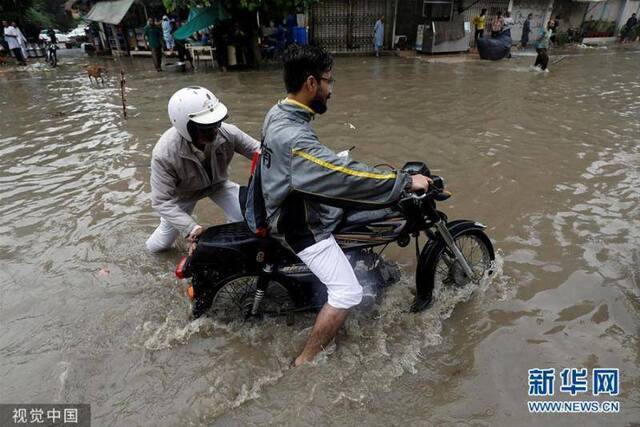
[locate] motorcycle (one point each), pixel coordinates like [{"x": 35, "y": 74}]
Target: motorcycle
[
  {"x": 52, "y": 55},
  {"x": 238, "y": 275}
]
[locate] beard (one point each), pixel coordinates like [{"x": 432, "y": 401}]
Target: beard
[{"x": 319, "y": 103}]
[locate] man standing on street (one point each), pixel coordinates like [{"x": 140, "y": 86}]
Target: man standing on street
[
  {"x": 153, "y": 36},
  {"x": 167, "y": 33},
  {"x": 378, "y": 35},
  {"x": 526, "y": 29},
  {"x": 629, "y": 30},
  {"x": 22, "y": 40},
  {"x": 12, "y": 37},
  {"x": 479, "y": 22},
  {"x": 497, "y": 25},
  {"x": 305, "y": 184},
  {"x": 508, "y": 23}
]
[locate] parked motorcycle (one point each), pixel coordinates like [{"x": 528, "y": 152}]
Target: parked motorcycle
[{"x": 235, "y": 274}]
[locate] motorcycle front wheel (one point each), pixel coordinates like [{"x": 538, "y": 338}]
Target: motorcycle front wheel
[{"x": 438, "y": 268}]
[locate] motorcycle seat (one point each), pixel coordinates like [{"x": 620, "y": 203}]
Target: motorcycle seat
[
  {"x": 235, "y": 234},
  {"x": 235, "y": 246}
]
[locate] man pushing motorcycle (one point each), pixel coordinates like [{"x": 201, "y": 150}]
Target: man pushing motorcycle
[
  {"x": 305, "y": 185},
  {"x": 190, "y": 162}
]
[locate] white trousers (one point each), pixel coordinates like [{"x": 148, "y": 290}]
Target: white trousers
[
  {"x": 326, "y": 260},
  {"x": 225, "y": 196}
]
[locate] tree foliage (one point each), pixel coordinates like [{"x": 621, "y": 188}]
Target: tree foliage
[
  {"x": 247, "y": 5},
  {"x": 14, "y": 10},
  {"x": 38, "y": 15},
  {"x": 34, "y": 15}
]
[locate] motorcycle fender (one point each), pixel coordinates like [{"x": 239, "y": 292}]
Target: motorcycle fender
[
  {"x": 433, "y": 245},
  {"x": 455, "y": 227}
]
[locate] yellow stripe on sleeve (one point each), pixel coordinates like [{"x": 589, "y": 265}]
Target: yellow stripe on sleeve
[{"x": 343, "y": 169}]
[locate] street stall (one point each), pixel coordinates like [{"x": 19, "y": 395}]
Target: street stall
[
  {"x": 200, "y": 19},
  {"x": 111, "y": 13}
]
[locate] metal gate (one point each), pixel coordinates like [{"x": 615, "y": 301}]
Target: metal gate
[{"x": 345, "y": 25}]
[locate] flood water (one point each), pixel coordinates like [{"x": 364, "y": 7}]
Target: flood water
[{"x": 549, "y": 161}]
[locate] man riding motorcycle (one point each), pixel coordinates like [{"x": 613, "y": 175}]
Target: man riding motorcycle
[
  {"x": 190, "y": 162},
  {"x": 305, "y": 185},
  {"x": 52, "y": 46}
]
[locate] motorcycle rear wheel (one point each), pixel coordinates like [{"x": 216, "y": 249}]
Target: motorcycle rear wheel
[{"x": 233, "y": 299}]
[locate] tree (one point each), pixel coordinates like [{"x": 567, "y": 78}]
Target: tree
[
  {"x": 34, "y": 15},
  {"x": 38, "y": 15},
  {"x": 14, "y": 10},
  {"x": 248, "y": 5}
]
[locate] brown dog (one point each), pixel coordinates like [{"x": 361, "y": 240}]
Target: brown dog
[
  {"x": 3, "y": 60},
  {"x": 95, "y": 71}
]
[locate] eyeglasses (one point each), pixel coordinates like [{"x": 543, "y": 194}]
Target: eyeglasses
[{"x": 329, "y": 80}]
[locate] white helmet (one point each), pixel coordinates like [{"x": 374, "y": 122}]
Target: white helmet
[{"x": 194, "y": 104}]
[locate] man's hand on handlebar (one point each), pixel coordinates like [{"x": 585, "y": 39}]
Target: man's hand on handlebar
[{"x": 419, "y": 183}]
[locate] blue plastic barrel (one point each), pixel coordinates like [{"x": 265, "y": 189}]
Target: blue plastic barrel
[{"x": 300, "y": 35}]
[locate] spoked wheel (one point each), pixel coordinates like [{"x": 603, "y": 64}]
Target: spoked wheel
[
  {"x": 449, "y": 273},
  {"x": 438, "y": 269},
  {"x": 234, "y": 300}
]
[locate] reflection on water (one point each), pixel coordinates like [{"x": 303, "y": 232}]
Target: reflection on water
[{"x": 549, "y": 161}]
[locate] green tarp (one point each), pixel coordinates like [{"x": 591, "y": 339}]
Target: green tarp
[
  {"x": 109, "y": 12},
  {"x": 204, "y": 18}
]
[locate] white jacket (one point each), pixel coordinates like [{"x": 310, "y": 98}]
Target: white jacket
[{"x": 178, "y": 178}]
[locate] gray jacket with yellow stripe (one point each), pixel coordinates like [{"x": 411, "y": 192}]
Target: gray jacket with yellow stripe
[{"x": 305, "y": 185}]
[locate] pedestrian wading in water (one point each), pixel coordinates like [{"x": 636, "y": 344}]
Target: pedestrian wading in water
[{"x": 542, "y": 46}]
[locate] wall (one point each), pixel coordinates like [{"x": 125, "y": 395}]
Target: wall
[
  {"x": 606, "y": 11},
  {"x": 572, "y": 13},
  {"x": 522, "y": 8}
]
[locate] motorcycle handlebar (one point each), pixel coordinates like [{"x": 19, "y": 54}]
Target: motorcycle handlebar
[{"x": 436, "y": 191}]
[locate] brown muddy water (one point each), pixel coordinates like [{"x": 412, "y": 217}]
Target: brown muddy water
[{"x": 549, "y": 161}]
